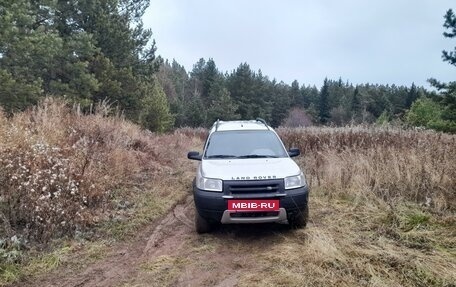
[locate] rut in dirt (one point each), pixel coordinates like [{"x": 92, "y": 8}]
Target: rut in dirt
[
  {"x": 216, "y": 259},
  {"x": 125, "y": 259}
]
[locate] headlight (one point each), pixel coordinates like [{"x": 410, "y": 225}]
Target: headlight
[
  {"x": 295, "y": 181},
  {"x": 209, "y": 184}
]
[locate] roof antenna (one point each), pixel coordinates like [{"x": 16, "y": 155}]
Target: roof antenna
[
  {"x": 217, "y": 124},
  {"x": 262, "y": 121}
]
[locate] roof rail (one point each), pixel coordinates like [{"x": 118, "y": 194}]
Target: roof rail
[
  {"x": 262, "y": 121},
  {"x": 217, "y": 124}
]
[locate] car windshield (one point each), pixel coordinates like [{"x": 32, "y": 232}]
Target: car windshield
[{"x": 244, "y": 144}]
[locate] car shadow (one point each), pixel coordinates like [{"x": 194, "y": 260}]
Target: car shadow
[{"x": 252, "y": 231}]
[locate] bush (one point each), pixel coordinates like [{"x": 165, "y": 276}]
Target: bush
[
  {"x": 155, "y": 114},
  {"x": 58, "y": 168},
  {"x": 386, "y": 163},
  {"x": 429, "y": 114},
  {"x": 423, "y": 111}
]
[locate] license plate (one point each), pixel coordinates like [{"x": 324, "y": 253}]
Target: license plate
[{"x": 253, "y": 205}]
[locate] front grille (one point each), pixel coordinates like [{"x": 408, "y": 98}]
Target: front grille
[{"x": 254, "y": 186}]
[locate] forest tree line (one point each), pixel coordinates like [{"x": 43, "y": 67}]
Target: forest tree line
[
  {"x": 205, "y": 94},
  {"x": 93, "y": 50},
  {"x": 86, "y": 51}
]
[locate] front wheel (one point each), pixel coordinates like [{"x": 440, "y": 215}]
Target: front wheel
[
  {"x": 299, "y": 220},
  {"x": 202, "y": 225}
]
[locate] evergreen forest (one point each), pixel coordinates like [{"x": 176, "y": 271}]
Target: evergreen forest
[{"x": 93, "y": 51}]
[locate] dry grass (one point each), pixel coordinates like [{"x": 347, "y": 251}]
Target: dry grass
[
  {"x": 164, "y": 270},
  {"x": 65, "y": 174},
  {"x": 382, "y": 202},
  {"x": 349, "y": 245},
  {"x": 390, "y": 164},
  {"x": 382, "y": 212},
  {"x": 60, "y": 170}
]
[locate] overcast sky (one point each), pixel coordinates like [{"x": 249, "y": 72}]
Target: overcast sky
[{"x": 386, "y": 42}]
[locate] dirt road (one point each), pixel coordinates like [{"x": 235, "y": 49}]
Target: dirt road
[
  {"x": 170, "y": 253},
  {"x": 340, "y": 247}
]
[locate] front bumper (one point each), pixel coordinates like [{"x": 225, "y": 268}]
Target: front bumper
[
  {"x": 280, "y": 217},
  {"x": 213, "y": 205}
]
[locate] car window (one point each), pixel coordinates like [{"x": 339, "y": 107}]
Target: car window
[{"x": 244, "y": 144}]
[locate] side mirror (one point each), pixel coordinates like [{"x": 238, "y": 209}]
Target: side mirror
[
  {"x": 292, "y": 152},
  {"x": 194, "y": 155}
]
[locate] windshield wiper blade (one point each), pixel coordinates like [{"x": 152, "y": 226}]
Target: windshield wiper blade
[
  {"x": 257, "y": 156},
  {"x": 221, "y": 156}
]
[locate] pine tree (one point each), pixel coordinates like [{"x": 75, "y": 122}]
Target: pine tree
[
  {"x": 196, "y": 112},
  {"x": 155, "y": 114},
  {"x": 222, "y": 106},
  {"x": 323, "y": 105},
  {"x": 356, "y": 102},
  {"x": 295, "y": 94},
  {"x": 85, "y": 50},
  {"x": 210, "y": 78},
  {"x": 36, "y": 60},
  {"x": 412, "y": 95},
  {"x": 448, "y": 90},
  {"x": 281, "y": 103},
  {"x": 241, "y": 87}
]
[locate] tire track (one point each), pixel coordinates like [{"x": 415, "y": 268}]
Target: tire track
[{"x": 125, "y": 259}]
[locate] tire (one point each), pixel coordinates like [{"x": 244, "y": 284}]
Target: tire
[
  {"x": 300, "y": 219},
  {"x": 202, "y": 225}
]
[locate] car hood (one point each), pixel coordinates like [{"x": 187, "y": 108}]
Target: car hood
[{"x": 249, "y": 169}]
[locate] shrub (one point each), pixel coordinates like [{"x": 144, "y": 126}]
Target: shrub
[
  {"x": 388, "y": 163},
  {"x": 429, "y": 114},
  {"x": 58, "y": 168}
]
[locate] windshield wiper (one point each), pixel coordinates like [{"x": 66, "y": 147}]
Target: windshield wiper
[
  {"x": 221, "y": 156},
  {"x": 257, "y": 156}
]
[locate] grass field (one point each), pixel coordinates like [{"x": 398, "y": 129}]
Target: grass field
[
  {"x": 382, "y": 211},
  {"x": 382, "y": 205}
]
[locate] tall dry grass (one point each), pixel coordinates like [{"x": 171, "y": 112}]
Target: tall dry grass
[
  {"x": 54, "y": 159},
  {"x": 385, "y": 162},
  {"x": 382, "y": 212},
  {"x": 59, "y": 168},
  {"x": 388, "y": 163}
]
